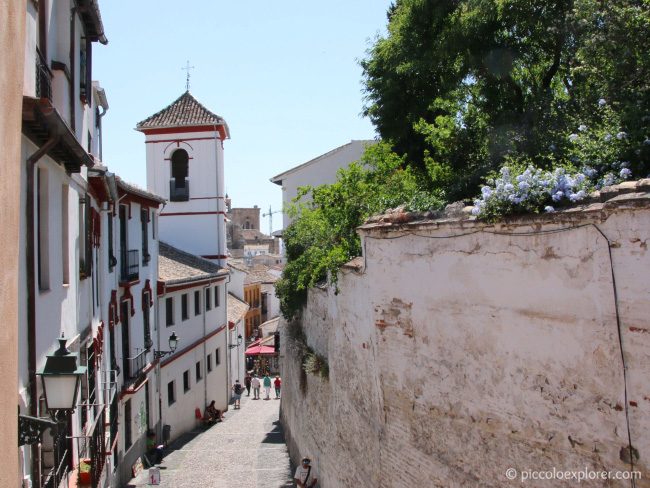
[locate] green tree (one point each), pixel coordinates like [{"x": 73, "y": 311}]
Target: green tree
[
  {"x": 458, "y": 86},
  {"x": 323, "y": 235}
]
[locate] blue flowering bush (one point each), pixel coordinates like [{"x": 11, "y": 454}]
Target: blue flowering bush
[{"x": 587, "y": 160}]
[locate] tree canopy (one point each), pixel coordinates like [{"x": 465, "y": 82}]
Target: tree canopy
[
  {"x": 458, "y": 86},
  {"x": 528, "y": 103}
]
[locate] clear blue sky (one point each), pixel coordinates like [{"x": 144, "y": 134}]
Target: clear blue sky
[{"x": 284, "y": 75}]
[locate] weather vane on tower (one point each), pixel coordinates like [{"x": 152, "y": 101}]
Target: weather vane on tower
[{"x": 188, "y": 68}]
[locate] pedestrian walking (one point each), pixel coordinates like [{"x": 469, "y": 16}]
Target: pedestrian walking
[
  {"x": 256, "y": 387},
  {"x": 247, "y": 383},
  {"x": 305, "y": 477},
  {"x": 277, "y": 383},
  {"x": 266, "y": 381},
  {"x": 237, "y": 389}
]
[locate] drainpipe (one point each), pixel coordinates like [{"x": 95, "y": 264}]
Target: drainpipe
[
  {"x": 31, "y": 288},
  {"x": 205, "y": 373},
  {"x": 158, "y": 368}
]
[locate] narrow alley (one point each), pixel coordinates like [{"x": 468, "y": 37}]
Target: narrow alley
[{"x": 246, "y": 450}]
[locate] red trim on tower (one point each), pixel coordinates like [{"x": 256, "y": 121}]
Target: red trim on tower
[
  {"x": 183, "y": 140},
  {"x": 182, "y": 130}
]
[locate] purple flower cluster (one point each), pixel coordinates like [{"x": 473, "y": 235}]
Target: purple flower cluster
[{"x": 532, "y": 189}]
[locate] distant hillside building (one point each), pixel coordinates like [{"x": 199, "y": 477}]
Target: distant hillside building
[{"x": 245, "y": 240}]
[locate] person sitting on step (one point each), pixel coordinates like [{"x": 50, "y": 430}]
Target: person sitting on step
[{"x": 212, "y": 414}]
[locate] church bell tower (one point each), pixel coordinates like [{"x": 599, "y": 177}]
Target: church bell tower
[{"x": 185, "y": 165}]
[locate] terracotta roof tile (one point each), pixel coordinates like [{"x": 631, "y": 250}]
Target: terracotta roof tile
[
  {"x": 176, "y": 266},
  {"x": 184, "y": 111},
  {"x": 236, "y": 308}
]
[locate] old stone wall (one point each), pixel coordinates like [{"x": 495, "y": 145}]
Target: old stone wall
[{"x": 458, "y": 350}]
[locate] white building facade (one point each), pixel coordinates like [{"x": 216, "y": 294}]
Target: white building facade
[
  {"x": 192, "y": 304},
  {"x": 318, "y": 171},
  {"x": 61, "y": 257}
]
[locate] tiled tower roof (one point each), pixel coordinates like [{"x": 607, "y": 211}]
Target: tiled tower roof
[{"x": 185, "y": 111}]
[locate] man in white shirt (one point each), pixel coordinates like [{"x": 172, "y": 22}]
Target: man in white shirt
[
  {"x": 256, "y": 387},
  {"x": 305, "y": 477}
]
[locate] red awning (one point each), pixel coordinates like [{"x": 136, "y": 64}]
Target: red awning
[{"x": 260, "y": 350}]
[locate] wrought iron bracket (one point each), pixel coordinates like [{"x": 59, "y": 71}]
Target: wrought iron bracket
[
  {"x": 30, "y": 429},
  {"x": 160, "y": 354}
]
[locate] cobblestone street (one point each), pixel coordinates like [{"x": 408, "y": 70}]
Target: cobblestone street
[{"x": 247, "y": 450}]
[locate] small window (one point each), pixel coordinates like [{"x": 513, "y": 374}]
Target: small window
[
  {"x": 216, "y": 296},
  {"x": 169, "y": 305},
  {"x": 186, "y": 381},
  {"x": 144, "y": 221},
  {"x": 217, "y": 357},
  {"x": 197, "y": 302},
  {"x": 184, "y": 307},
  {"x": 199, "y": 375},
  {"x": 171, "y": 393},
  {"x": 208, "y": 303},
  {"x": 209, "y": 362}
]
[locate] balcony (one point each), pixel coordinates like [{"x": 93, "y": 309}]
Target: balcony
[
  {"x": 178, "y": 193},
  {"x": 136, "y": 364},
  {"x": 130, "y": 266},
  {"x": 43, "y": 78}
]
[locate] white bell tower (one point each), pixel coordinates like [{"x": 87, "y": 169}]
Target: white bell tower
[{"x": 185, "y": 165}]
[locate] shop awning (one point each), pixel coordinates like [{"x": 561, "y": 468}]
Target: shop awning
[{"x": 260, "y": 351}]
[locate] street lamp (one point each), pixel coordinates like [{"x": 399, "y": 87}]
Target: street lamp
[
  {"x": 239, "y": 341},
  {"x": 60, "y": 378},
  {"x": 173, "y": 342}
]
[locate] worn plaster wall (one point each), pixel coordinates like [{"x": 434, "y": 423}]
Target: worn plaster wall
[
  {"x": 12, "y": 39},
  {"x": 459, "y": 350}
]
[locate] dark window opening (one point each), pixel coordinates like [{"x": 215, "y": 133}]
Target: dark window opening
[
  {"x": 184, "y": 307},
  {"x": 169, "y": 312},
  {"x": 144, "y": 218},
  {"x": 179, "y": 185},
  {"x": 171, "y": 393},
  {"x": 186, "y": 381},
  {"x": 197, "y": 302}
]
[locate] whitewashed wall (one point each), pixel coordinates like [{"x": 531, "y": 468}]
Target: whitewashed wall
[
  {"x": 459, "y": 353},
  {"x": 202, "y": 234},
  {"x": 320, "y": 171}
]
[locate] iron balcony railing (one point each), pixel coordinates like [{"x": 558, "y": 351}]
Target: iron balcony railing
[
  {"x": 130, "y": 265},
  {"x": 43, "y": 77},
  {"x": 137, "y": 364},
  {"x": 179, "y": 190}
]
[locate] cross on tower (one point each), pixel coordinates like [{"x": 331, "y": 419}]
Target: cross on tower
[{"x": 188, "y": 68}]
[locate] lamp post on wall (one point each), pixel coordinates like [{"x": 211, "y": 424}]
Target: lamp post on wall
[
  {"x": 60, "y": 379},
  {"x": 173, "y": 343},
  {"x": 239, "y": 341}
]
